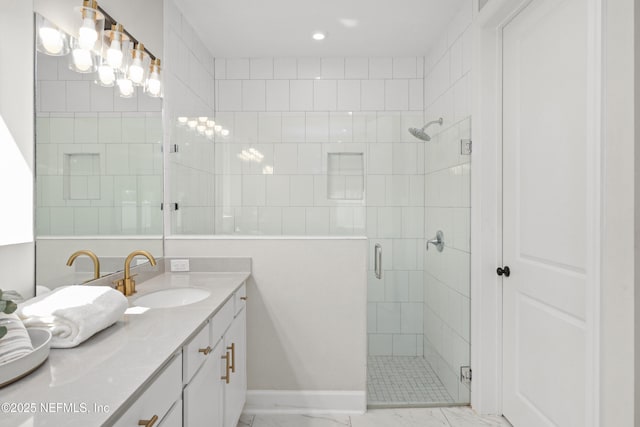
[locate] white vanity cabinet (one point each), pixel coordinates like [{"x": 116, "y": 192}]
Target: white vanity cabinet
[
  {"x": 156, "y": 406},
  {"x": 215, "y": 368},
  {"x": 235, "y": 390}
]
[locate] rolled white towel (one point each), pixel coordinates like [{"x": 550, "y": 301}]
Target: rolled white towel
[
  {"x": 73, "y": 313},
  {"x": 16, "y": 343}
]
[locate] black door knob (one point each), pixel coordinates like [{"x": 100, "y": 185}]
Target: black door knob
[{"x": 506, "y": 271}]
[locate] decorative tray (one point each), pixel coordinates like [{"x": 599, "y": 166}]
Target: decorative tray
[{"x": 23, "y": 366}]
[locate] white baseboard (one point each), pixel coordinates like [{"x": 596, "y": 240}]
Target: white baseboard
[{"x": 305, "y": 402}]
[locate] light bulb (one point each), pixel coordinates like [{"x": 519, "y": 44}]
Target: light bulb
[
  {"x": 218, "y": 128},
  {"x": 106, "y": 75},
  {"x": 209, "y": 132},
  {"x": 192, "y": 124},
  {"x": 201, "y": 128},
  {"x": 114, "y": 54},
  {"x": 126, "y": 88},
  {"x": 136, "y": 72},
  {"x": 182, "y": 119},
  {"x": 225, "y": 132},
  {"x": 51, "y": 40},
  {"x": 88, "y": 34},
  {"x": 153, "y": 84},
  {"x": 211, "y": 123},
  {"x": 82, "y": 60},
  {"x": 202, "y": 119}
]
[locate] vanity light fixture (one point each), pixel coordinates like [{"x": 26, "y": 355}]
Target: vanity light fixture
[
  {"x": 92, "y": 25},
  {"x": 82, "y": 60},
  {"x": 117, "y": 46},
  {"x": 106, "y": 75},
  {"x": 127, "y": 90},
  {"x": 50, "y": 40},
  {"x": 136, "y": 68},
  {"x": 153, "y": 86}
]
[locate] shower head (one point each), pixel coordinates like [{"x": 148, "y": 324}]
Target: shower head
[{"x": 421, "y": 134}]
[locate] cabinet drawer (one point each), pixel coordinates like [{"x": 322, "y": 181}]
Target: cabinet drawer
[
  {"x": 192, "y": 356},
  {"x": 240, "y": 298},
  {"x": 174, "y": 417},
  {"x": 221, "y": 321},
  {"x": 158, "y": 398}
]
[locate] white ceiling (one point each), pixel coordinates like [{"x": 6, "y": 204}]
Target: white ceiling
[{"x": 260, "y": 28}]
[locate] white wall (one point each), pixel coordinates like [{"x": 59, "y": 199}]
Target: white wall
[
  {"x": 617, "y": 333},
  {"x": 16, "y": 111},
  {"x": 306, "y": 309},
  {"x": 447, "y": 296}
]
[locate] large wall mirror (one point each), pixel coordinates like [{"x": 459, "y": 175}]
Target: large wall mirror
[{"x": 99, "y": 174}]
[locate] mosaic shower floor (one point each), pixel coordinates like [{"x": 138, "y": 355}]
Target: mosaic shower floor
[{"x": 397, "y": 381}]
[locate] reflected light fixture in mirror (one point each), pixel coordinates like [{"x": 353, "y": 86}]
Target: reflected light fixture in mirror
[
  {"x": 50, "y": 40},
  {"x": 153, "y": 86},
  {"x": 135, "y": 73}
]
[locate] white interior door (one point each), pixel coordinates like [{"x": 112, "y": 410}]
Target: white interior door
[{"x": 545, "y": 215}]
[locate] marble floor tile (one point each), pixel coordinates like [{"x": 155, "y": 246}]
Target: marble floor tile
[
  {"x": 467, "y": 417},
  {"x": 301, "y": 421},
  {"x": 245, "y": 420},
  {"x": 414, "y": 417}
]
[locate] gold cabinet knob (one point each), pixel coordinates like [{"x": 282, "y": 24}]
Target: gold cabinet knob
[
  {"x": 206, "y": 351},
  {"x": 148, "y": 423}
]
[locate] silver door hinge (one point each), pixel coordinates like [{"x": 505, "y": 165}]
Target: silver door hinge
[
  {"x": 465, "y": 374},
  {"x": 465, "y": 147}
]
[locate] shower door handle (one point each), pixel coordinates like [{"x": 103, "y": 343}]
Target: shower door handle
[{"x": 377, "y": 256}]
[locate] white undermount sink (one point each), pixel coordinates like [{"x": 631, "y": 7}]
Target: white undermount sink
[{"x": 173, "y": 297}]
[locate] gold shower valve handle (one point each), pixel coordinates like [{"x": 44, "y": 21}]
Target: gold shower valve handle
[{"x": 148, "y": 423}]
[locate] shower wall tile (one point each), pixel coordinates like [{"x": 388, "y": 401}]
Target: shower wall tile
[
  {"x": 285, "y": 68},
  {"x": 253, "y": 95},
  {"x": 295, "y": 112},
  {"x": 396, "y": 95},
  {"x": 277, "y": 95},
  {"x": 446, "y": 276},
  {"x": 261, "y": 68},
  {"x": 372, "y": 95},
  {"x": 309, "y": 68},
  {"x": 332, "y": 68},
  {"x": 380, "y": 68},
  {"x": 348, "y": 95},
  {"x": 405, "y": 68},
  {"x": 324, "y": 95},
  {"x": 301, "y": 95},
  {"x": 238, "y": 68}
]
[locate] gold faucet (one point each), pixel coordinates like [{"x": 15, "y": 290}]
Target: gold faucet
[
  {"x": 127, "y": 285},
  {"x": 94, "y": 258}
]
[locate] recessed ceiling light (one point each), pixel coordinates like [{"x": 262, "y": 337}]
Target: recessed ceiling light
[{"x": 319, "y": 35}]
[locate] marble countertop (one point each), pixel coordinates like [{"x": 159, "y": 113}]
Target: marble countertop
[{"x": 94, "y": 383}]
